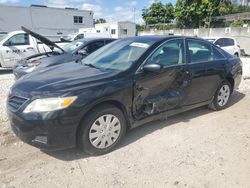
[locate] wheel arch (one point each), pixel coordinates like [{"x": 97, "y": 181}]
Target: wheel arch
[
  {"x": 231, "y": 81},
  {"x": 115, "y": 103}
]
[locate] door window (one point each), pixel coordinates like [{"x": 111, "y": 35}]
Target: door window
[
  {"x": 199, "y": 51},
  {"x": 80, "y": 36},
  {"x": 94, "y": 46},
  {"x": 170, "y": 53},
  {"x": 228, "y": 42},
  {"x": 219, "y": 42},
  {"x": 19, "y": 39}
]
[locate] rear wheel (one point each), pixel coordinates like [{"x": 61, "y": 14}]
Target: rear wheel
[
  {"x": 102, "y": 129},
  {"x": 222, "y": 96}
]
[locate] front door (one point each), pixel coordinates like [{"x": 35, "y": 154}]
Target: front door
[
  {"x": 17, "y": 47},
  {"x": 161, "y": 91}
]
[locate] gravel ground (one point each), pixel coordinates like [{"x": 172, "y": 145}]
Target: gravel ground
[{"x": 199, "y": 148}]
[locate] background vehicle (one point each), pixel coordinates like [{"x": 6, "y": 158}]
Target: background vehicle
[
  {"x": 228, "y": 44},
  {"x": 124, "y": 84},
  {"x": 74, "y": 51},
  {"x": 19, "y": 44},
  {"x": 81, "y": 35}
]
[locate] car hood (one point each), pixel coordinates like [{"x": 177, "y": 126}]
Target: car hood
[
  {"x": 61, "y": 79},
  {"x": 41, "y": 38}
]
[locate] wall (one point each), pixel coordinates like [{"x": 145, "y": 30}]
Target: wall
[
  {"x": 45, "y": 21},
  {"x": 241, "y": 34}
]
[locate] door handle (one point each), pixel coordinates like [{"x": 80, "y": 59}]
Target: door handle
[{"x": 30, "y": 48}]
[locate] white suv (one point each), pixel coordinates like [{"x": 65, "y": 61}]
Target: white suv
[{"x": 226, "y": 43}]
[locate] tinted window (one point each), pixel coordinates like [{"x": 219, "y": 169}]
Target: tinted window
[
  {"x": 108, "y": 41},
  {"x": 219, "y": 42},
  {"x": 170, "y": 53},
  {"x": 199, "y": 51},
  {"x": 94, "y": 46},
  {"x": 228, "y": 42},
  {"x": 19, "y": 39},
  {"x": 80, "y": 36}
]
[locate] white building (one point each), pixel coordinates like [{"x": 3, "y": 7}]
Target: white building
[
  {"x": 113, "y": 29},
  {"x": 50, "y": 22}
]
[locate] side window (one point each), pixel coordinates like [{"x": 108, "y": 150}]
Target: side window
[
  {"x": 19, "y": 39},
  {"x": 80, "y": 36},
  {"x": 199, "y": 51},
  {"x": 170, "y": 53},
  {"x": 217, "y": 55},
  {"x": 94, "y": 46},
  {"x": 108, "y": 41},
  {"x": 229, "y": 42},
  {"x": 219, "y": 42}
]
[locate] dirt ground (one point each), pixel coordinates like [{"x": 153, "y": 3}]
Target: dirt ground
[{"x": 199, "y": 148}]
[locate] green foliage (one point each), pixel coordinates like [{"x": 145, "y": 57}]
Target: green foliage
[
  {"x": 191, "y": 13},
  {"x": 195, "y": 13},
  {"x": 237, "y": 23},
  {"x": 158, "y": 13},
  {"x": 100, "y": 20}
]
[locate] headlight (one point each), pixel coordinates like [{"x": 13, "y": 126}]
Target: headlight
[{"x": 49, "y": 104}]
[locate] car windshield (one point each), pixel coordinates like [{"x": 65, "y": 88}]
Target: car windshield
[
  {"x": 2, "y": 36},
  {"x": 71, "y": 47},
  {"x": 118, "y": 55}
]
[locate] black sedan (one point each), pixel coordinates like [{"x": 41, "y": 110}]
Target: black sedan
[
  {"x": 74, "y": 51},
  {"x": 124, "y": 84}
]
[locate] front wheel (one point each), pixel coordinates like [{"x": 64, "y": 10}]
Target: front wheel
[
  {"x": 222, "y": 96},
  {"x": 102, "y": 129}
]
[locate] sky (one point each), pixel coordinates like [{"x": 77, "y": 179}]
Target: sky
[{"x": 111, "y": 10}]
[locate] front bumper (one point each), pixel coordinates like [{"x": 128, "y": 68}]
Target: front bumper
[{"x": 47, "y": 132}]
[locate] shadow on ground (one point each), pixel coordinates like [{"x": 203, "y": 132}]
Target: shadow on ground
[{"x": 139, "y": 132}]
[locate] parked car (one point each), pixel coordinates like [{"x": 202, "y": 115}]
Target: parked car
[
  {"x": 81, "y": 35},
  {"x": 74, "y": 51},
  {"x": 122, "y": 85},
  {"x": 20, "y": 44},
  {"x": 226, "y": 43}
]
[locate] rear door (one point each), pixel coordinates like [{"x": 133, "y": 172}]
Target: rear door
[
  {"x": 158, "y": 92},
  {"x": 17, "y": 47},
  {"x": 204, "y": 67}
]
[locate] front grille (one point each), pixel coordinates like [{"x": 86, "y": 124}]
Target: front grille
[{"x": 16, "y": 102}]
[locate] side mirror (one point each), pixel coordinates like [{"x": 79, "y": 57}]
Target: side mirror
[
  {"x": 83, "y": 53},
  {"x": 152, "y": 67},
  {"x": 7, "y": 43}
]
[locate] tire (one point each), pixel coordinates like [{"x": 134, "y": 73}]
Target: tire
[
  {"x": 236, "y": 54},
  {"x": 221, "y": 97},
  {"x": 97, "y": 138}
]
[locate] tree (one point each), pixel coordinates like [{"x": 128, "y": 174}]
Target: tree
[
  {"x": 158, "y": 13},
  {"x": 100, "y": 20},
  {"x": 195, "y": 13}
]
